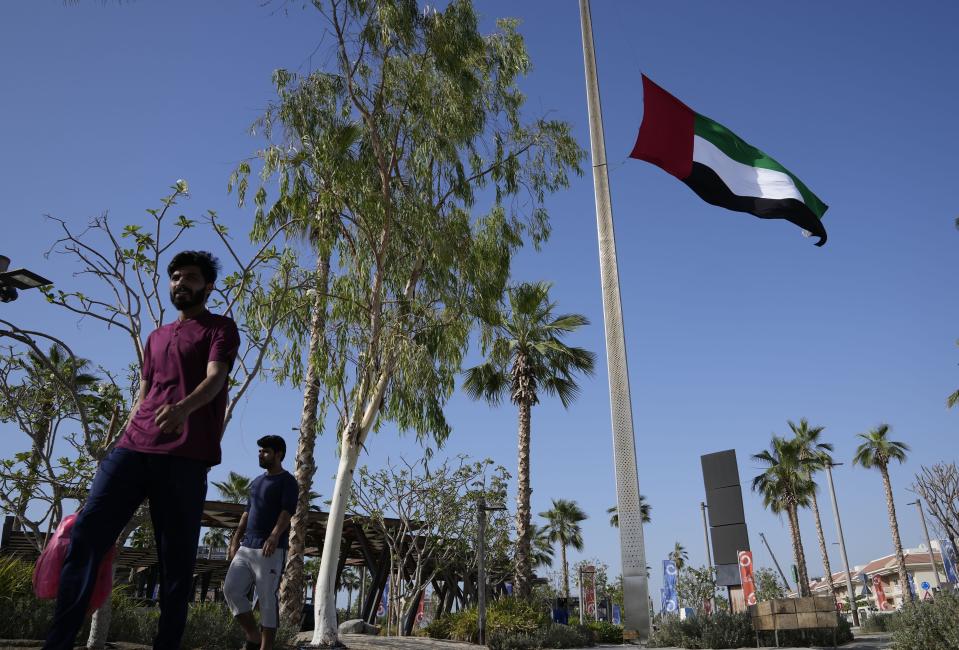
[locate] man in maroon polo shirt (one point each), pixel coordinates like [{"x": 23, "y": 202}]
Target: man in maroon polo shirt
[{"x": 171, "y": 439}]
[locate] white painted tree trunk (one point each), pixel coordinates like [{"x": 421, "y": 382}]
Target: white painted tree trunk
[
  {"x": 100, "y": 622},
  {"x": 324, "y": 608}
]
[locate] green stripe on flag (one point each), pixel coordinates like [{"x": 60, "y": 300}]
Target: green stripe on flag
[{"x": 741, "y": 151}]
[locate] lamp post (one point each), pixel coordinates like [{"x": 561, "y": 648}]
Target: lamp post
[
  {"x": 481, "y": 510},
  {"x": 709, "y": 555},
  {"x": 21, "y": 279},
  {"x": 932, "y": 559},
  {"x": 776, "y": 562},
  {"x": 850, "y": 594}
]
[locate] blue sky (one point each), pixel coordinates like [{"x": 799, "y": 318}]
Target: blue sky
[{"x": 734, "y": 325}]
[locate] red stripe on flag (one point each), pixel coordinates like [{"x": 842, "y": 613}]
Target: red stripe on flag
[{"x": 666, "y": 134}]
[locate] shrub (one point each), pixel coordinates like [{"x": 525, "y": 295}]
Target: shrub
[
  {"x": 605, "y": 632},
  {"x": 499, "y": 640},
  {"x": 566, "y": 636},
  {"x": 721, "y": 630},
  {"x": 877, "y": 622},
  {"x": 928, "y": 625},
  {"x": 505, "y": 616}
]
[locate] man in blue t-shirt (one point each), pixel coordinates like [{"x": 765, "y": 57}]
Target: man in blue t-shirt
[{"x": 258, "y": 549}]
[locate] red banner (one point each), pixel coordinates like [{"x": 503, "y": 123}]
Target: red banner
[
  {"x": 588, "y": 583},
  {"x": 746, "y": 576},
  {"x": 879, "y": 592}
]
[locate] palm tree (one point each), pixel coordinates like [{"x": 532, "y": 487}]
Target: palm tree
[
  {"x": 562, "y": 525},
  {"x": 349, "y": 580},
  {"x": 785, "y": 487},
  {"x": 877, "y": 451},
  {"x": 818, "y": 452},
  {"x": 527, "y": 357},
  {"x": 542, "y": 548},
  {"x": 644, "y": 512},
  {"x": 679, "y": 555},
  {"x": 235, "y": 489},
  {"x": 213, "y": 538}
]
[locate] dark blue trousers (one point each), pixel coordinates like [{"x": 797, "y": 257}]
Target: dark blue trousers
[{"x": 176, "y": 488}]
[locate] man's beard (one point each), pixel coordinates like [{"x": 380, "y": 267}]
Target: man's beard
[
  {"x": 185, "y": 299},
  {"x": 265, "y": 464}
]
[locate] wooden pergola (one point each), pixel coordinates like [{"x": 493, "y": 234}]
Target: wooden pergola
[{"x": 362, "y": 546}]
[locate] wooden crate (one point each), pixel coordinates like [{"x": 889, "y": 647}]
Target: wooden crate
[
  {"x": 805, "y": 605},
  {"x": 827, "y": 619},
  {"x": 787, "y": 622},
  {"x": 825, "y": 604},
  {"x": 763, "y": 623},
  {"x": 807, "y": 620},
  {"x": 765, "y": 608},
  {"x": 784, "y": 606}
]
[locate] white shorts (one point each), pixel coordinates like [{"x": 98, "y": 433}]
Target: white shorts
[{"x": 251, "y": 568}]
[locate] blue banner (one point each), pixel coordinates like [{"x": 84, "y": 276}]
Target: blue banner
[
  {"x": 865, "y": 585},
  {"x": 617, "y": 615},
  {"x": 670, "y": 599},
  {"x": 949, "y": 560},
  {"x": 912, "y": 585}
]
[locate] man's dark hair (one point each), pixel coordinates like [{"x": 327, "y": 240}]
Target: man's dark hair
[
  {"x": 276, "y": 443},
  {"x": 208, "y": 264}
]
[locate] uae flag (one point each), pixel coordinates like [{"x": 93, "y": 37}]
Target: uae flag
[{"x": 719, "y": 166}]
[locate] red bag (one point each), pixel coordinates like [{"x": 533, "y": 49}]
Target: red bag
[{"x": 46, "y": 573}]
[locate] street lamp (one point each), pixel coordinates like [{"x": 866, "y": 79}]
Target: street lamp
[
  {"x": 481, "y": 510},
  {"x": 932, "y": 559},
  {"x": 21, "y": 279},
  {"x": 850, "y": 595}
]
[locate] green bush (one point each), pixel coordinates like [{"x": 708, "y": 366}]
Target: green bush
[
  {"x": 721, "y": 630},
  {"x": 16, "y": 577},
  {"x": 605, "y": 632},
  {"x": 928, "y": 625},
  {"x": 499, "y": 640},
  {"x": 877, "y": 622},
  {"x": 505, "y": 616},
  {"x": 566, "y": 636}
]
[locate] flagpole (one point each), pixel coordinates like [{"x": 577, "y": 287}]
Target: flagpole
[{"x": 632, "y": 546}]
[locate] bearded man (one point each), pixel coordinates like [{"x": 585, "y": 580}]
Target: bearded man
[{"x": 170, "y": 440}]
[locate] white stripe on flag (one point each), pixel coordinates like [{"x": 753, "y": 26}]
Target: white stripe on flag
[{"x": 744, "y": 180}]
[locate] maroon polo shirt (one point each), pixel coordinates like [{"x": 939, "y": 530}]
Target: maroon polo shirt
[{"x": 174, "y": 364}]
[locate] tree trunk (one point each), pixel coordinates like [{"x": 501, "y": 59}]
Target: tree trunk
[
  {"x": 798, "y": 554},
  {"x": 324, "y": 608},
  {"x": 823, "y": 550},
  {"x": 562, "y": 550},
  {"x": 894, "y": 528},
  {"x": 292, "y": 589},
  {"x": 523, "y": 570},
  {"x": 100, "y": 621}
]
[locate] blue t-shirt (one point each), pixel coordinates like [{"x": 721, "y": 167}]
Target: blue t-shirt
[{"x": 269, "y": 495}]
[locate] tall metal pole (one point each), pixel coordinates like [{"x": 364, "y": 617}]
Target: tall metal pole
[
  {"x": 776, "y": 562},
  {"x": 932, "y": 558},
  {"x": 709, "y": 555},
  {"x": 632, "y": 546},
  {"x": 850, "y": 594}
]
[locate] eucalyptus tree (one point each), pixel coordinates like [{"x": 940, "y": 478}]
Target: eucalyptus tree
[
  {"x": 811, "y": 449},
  {"x": 562, "y": 524},
  {"x": 432, "y": 124},
  {"x": 785, "y": 487},
  {"x": 526, "y": 358},
  {"x": 876, "y": 452},
  {"x": 645, "y": 512}
]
